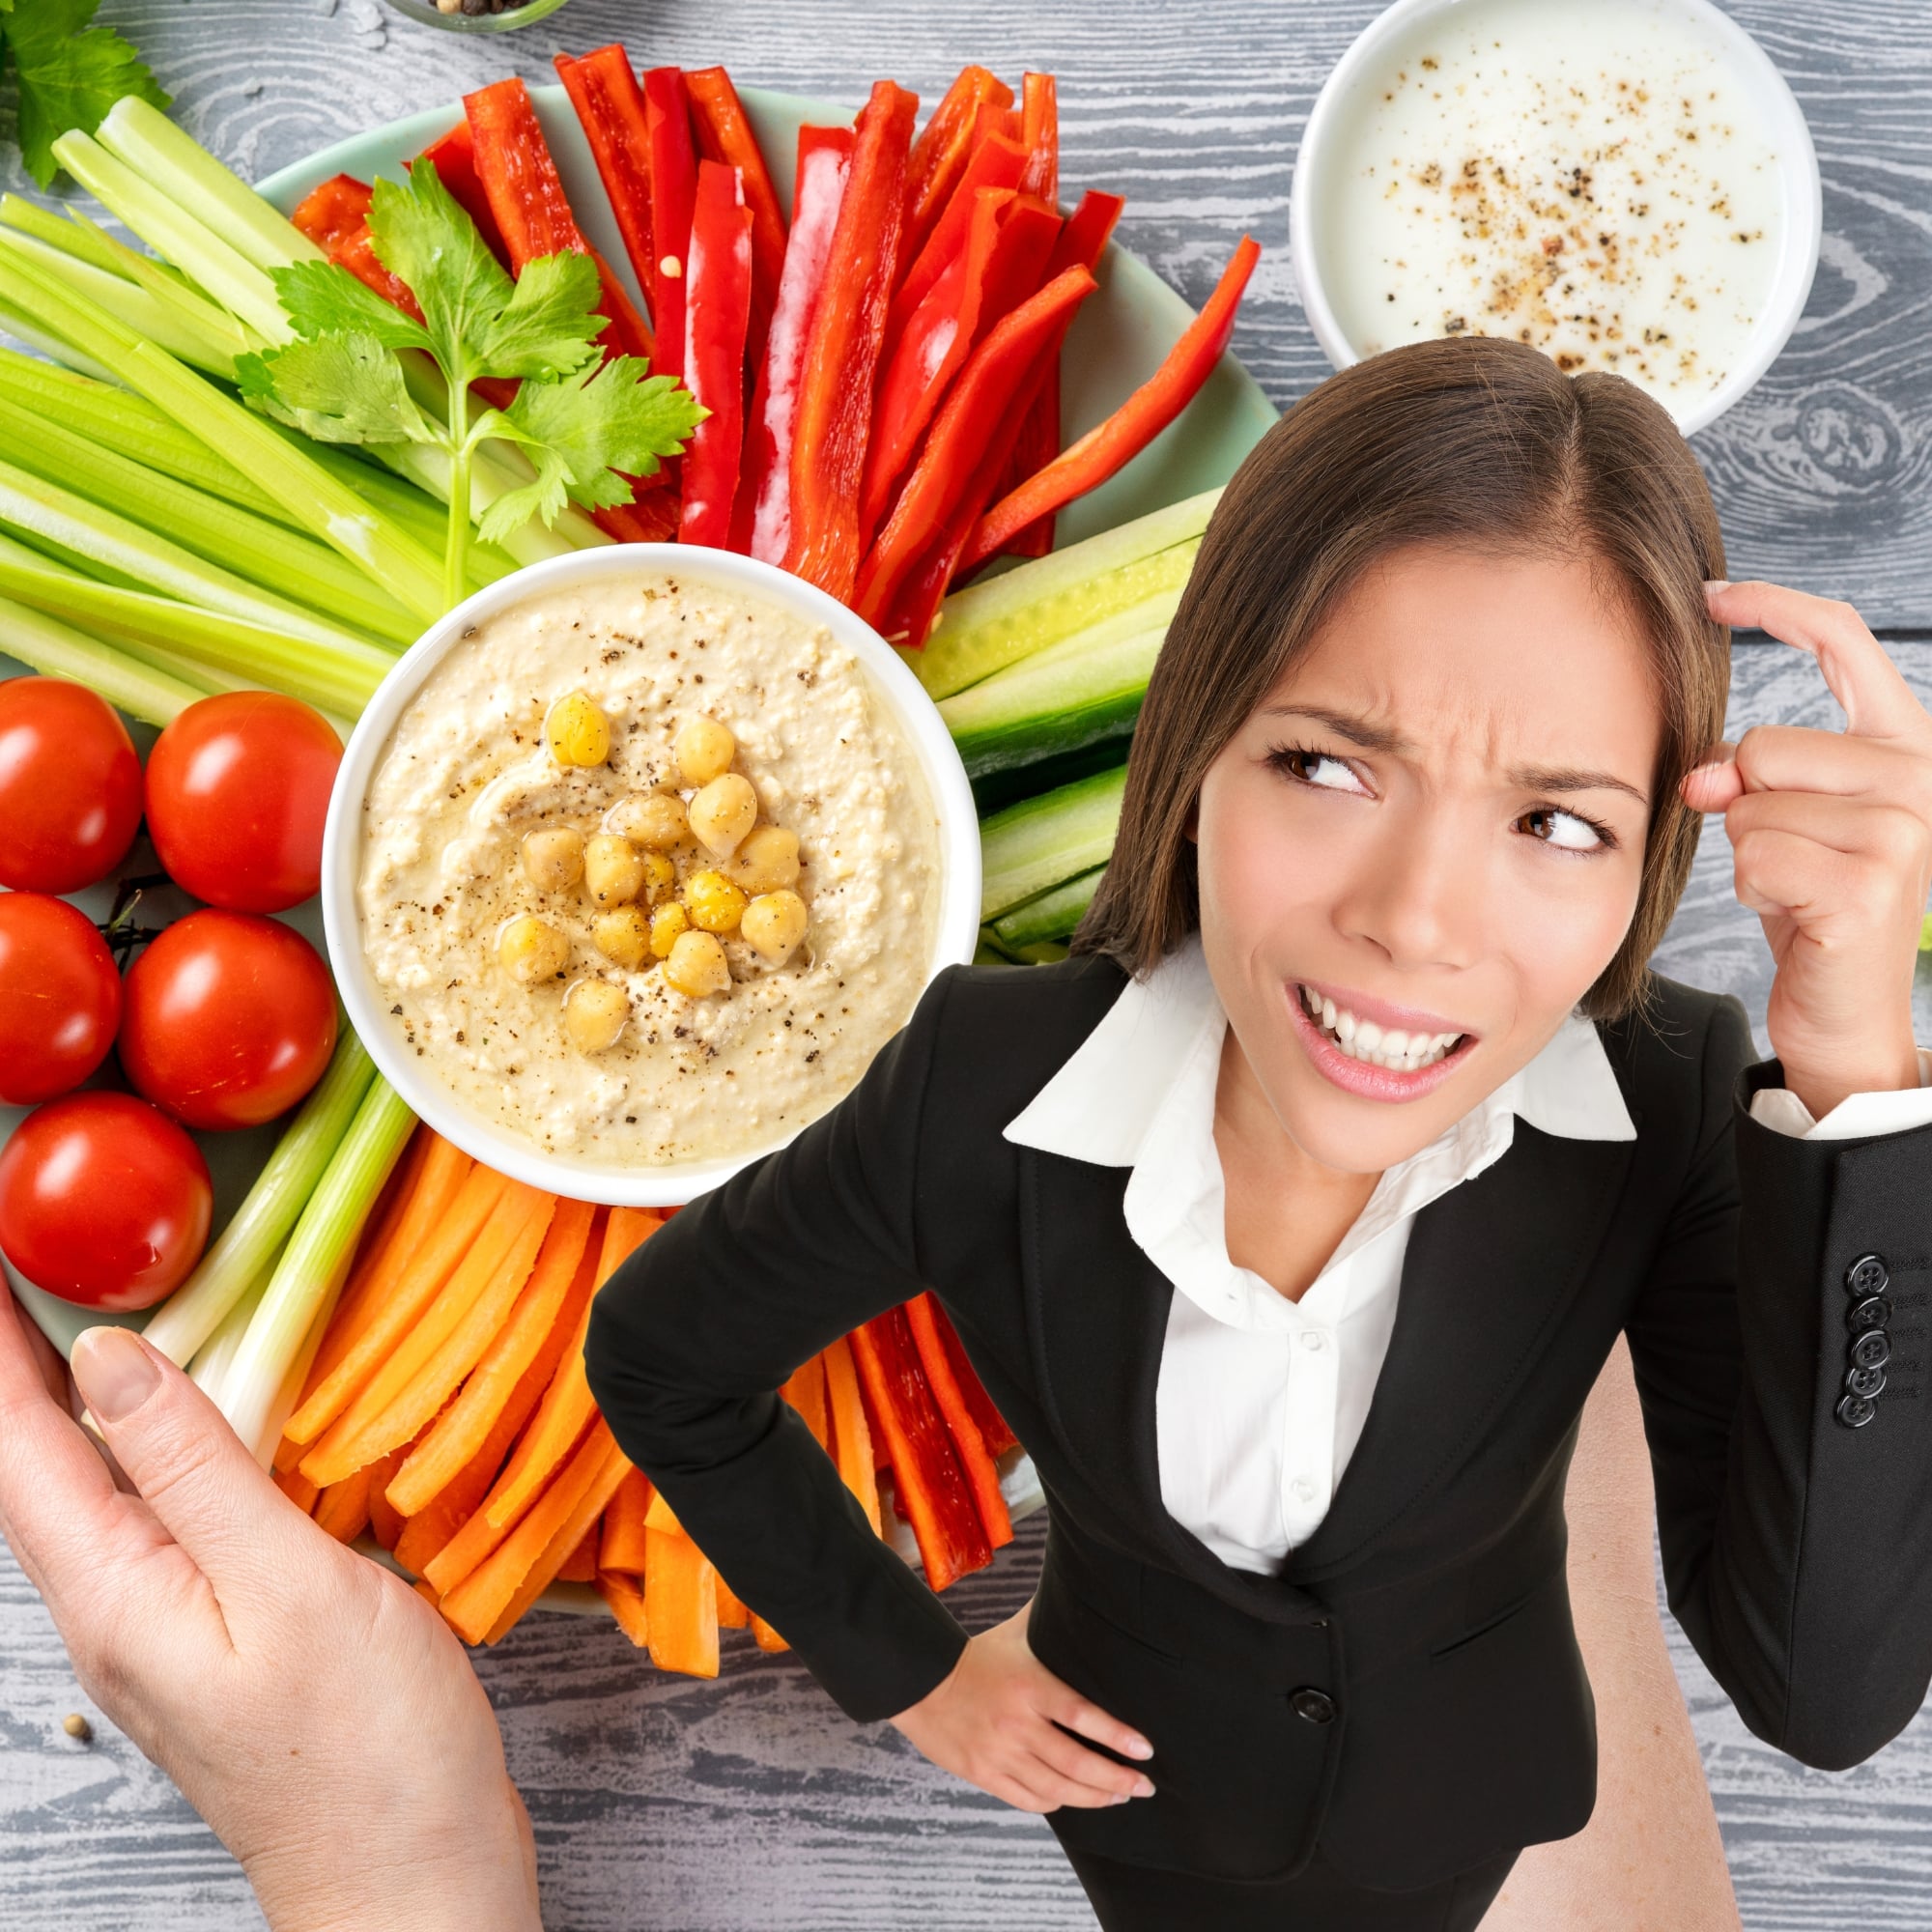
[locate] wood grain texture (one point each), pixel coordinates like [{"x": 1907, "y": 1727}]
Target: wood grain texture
[{"x": 749, "y": 1803}]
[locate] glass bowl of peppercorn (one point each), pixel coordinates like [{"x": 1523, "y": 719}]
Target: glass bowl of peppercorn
[{"x": 477, "y": 16}]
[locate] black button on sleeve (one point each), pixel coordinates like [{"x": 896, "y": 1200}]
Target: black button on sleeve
[
  {"x": 1854, "y": 1411},
  {"x": 1872, "y": 1349},
  {"x": 1315, "y": 1706},
  {"x": 1868, "y": 1275},
  {"x": 1873, "y": 1312},
  {"x": 1864, "y": 1382}
]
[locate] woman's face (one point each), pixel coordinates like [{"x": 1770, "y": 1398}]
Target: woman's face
[{"x": 1431, "y": 829}]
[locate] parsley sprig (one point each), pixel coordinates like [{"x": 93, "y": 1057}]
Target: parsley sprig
[
  {"x": 587, "y": 428},
  {"x": 66, "y": 73}
]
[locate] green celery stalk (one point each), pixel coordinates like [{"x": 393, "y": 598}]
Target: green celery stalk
[
  {"x": 175, "y": 235},
  {"x": 24, "y": 327},
  {"x": 59, "y": 650},
  {"x": 995, "y": 623},
  {"x": 1042, "y": 841},
  {"x": 210, "y": 1367},
  {"x": 341, "y": 680},
  {"x": 117, "y": 418},
  {"x": 98, "y": 536},
  {"x": 141, "y": 135},
  {"x": 244, "y": 1251},
  {"x": 311, "y": 1267},
  {"x": 293, "y": 565}
]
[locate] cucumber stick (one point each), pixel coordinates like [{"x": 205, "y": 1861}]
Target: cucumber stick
[
  {"x": 1043, "y": 841},
  {"x": 1052, "y": 915}
]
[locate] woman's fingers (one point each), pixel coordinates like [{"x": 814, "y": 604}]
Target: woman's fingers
[
  {"x": 1099, "y": 1777},
  {"x": 1877, "y": 701},
  {"x": 1064, "y": 1705}
]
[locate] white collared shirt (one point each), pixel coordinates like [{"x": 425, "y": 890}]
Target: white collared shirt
[{"x": 1261, "y": 1399}]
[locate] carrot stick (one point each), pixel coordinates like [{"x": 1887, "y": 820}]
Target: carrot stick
[
  {"x": 681, "y": 1589},
  {"x": 403, "y": 1299},
  {"x": 385, "y": 1523},
  {"x": 343, "y": 1507},
  {"x": 548, "y": 1566},
  {"x": 732, "y": 1613},
  {"x": 627, "y": 1606},
  {"x": 660, "y": 1515},
  {"x": 622, "y": 1546},
  {"x": 982, "y": 1478},
  {"x": 405, "y": 1393},
  {"x": 568, "y": 1404},
  {"x": 298, "y": 1489},
  {"x": 463, "y": 1429},
  {"x": 581, "y": 1564},
  {"x": 851, "y": 1435},
  {"x": 767, "y": 1637},
  {"x": 804, "y": 1390},
  {"x": 476, "y": 1604}
]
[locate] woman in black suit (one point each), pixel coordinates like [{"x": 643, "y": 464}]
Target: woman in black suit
[{"x": 1291, "y": 1221}]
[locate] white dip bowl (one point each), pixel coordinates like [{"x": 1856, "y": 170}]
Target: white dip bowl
[{"x": 663, "y": 1183}]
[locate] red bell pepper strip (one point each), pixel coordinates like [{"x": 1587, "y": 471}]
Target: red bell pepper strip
[
  {"x": 513, "y": 162},
  {"x": 724, "y": 133},
  {"x": 1018, "y": 267},
  {"x": 603, "y": 87},
  {"x": 976, "y": 1459},
  {"x": 1083, "y": 240},
  {"x": 928, "y": 356},
  {"x": 717, "y": 311},
  {"x": 454, "y": 158},
  {"x": 338, "y": 206},
  {"x": 848, "y": 326},
  {"x": 938, "y": 158},
  {"x": 651, "y": 517},
  {"x": 1040, "y": 133},
  {"x": 994, "y": 1428},
  {"x": 355, "y": 252},
  {"x": 926, "y": 1475},
  {"x": 978, "y": 408},
  {"x": 761, "y": 523},
  {"x": 1136, "y": 424},
  {"x": 673, "y": 189}
]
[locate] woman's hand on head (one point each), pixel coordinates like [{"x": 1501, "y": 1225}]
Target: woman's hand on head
[
  {"x": 312, "y": 1707},
  {"x": 1832, "y": 837},
  {"x": 995, "y": 1721}
]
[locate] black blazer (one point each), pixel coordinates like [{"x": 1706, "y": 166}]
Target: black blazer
[{"x": 1408, "y": 1692}]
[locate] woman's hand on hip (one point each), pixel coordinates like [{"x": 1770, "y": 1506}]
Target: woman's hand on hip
[
  {"x": 1831, "y": 836},
  {"x": 310, "y": 1705},
  {"x": 995, "y": 1721}
]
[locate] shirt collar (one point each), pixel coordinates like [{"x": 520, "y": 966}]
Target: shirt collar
[{"x": 1103, "y": 1102}]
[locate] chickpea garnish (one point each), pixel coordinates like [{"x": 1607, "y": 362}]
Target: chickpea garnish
[
  {"x": 696, "y": 965},
  {"x": 723, "y": 813},
  {"x": 624, "y": 936},
  {"x": 714, "y": 903},
  {"x": 532, "y": 950},
  {"x": 704, "y": 749},
  {"x": 660, "y": 875},
  {"x": 594, "y": 1014},
  {"x": 613, "y": 870},
  {"x": 766, "y": 860},
  {"x": 667, "y": 924},
  {"x": 773, "y": 925},
  {"x": 576, "y": 729},
  {"x": 653, "y": 820},
  {"x": 554, "y": 858}
]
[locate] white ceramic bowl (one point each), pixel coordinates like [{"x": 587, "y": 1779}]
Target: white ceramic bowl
[
  {"x": 1749, "y": 66},
  {"x": 662, "y": 1185}
]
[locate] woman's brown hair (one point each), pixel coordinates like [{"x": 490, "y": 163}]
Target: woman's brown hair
[{"x": 1475, "y": 443}]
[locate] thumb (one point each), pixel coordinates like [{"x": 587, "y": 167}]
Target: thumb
[
  {"x": 205, "y": 1487},
  {"x": 1715, "y": 784}
]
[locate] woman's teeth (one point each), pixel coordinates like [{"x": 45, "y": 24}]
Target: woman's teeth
[{"x": 1363, "y": 1039}]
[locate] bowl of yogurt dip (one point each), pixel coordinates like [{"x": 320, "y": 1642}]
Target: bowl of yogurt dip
[
  {"x": 633, "y": 863},
  {"x": 1627, "y": 185}
]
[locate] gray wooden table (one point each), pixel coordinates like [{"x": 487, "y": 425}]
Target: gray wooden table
[{"x": 751, "y": 1803}]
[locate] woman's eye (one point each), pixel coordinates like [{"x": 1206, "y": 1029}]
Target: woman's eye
[
  {"x": 1562, "y": 829},
  {"x": 1316, "y": 768}
]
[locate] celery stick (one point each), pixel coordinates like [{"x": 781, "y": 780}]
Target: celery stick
[
  {"x": 339, "y": 680},
  {"x": 117, "y": 418},
  {"x": 245, "y": 1248},
  {"x": 22, "y": 328},
  {"x": 175, "y": 234},
  {"x": 323, "y": 1237},
  {"x": 58, "y": 650},
  {"x": 182, "y": 169},
  {"x": 1042, "y": 841},
  {"x": 991, "y": 624},
  {"x": 296, "y": 1379},
  {"x": 97, "y": 535},
  {"x": 323, "y": 505},
  {"x": 210, "y": 1365},
  {"x": 306, "y": 573}
]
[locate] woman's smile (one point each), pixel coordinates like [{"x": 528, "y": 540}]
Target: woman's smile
[{"x": 1355, "y": 1043}]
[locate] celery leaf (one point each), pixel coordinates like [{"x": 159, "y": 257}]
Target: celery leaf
[
  {"x": 68, "y": 76},
  {"x": 338, "y": 388},
  {"x": 324, "y": 298}
]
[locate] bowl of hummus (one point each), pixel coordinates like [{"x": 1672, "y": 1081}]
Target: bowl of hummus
[{"x": 636, "y": 860}]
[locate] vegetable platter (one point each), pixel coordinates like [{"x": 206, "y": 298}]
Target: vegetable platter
[{"x": 395, "y": 1327}]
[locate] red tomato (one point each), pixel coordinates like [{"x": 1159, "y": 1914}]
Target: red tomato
[
  {"x": 60, "y": 997},
  {"x": 230, "y": 1019},
  {"x": 238, "y": 790},
  {"x": 103, "y": 1201},
  {"x": 70, "y": 786}
]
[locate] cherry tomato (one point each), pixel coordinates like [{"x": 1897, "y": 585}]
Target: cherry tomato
[
  {"x": 103, "y": 1201},
  {"x": 70, "y": 786},
  {"x": 60, "y": 997},
  {"x": 230, "y": 1019},
  {"x": 238, "y": 790}
]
